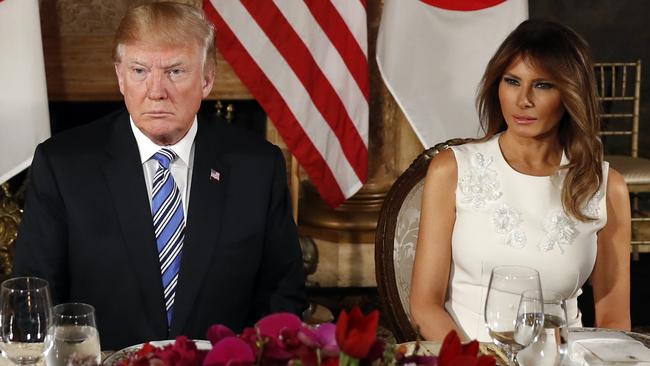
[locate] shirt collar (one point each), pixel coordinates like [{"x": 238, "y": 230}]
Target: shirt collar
[{"x": 147, "y": 147}]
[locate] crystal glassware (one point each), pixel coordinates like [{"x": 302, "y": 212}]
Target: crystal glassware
[
  {"x": 551, "y": 346},
  {"x": 507, "y": 284},
  {"x": 25, "y": 316},
  {"x": 530, "y": 317},
  {"x": 73, "y": 336}
]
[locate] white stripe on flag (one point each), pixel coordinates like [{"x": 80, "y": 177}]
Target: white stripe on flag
[
  {"x": 292, "y": 91},
  {"x": 329, "y": 61},
  {"x": 351, "y": 11}
]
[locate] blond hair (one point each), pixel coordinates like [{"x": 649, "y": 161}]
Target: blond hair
[
  {"x": 166, "y": 24},
  {"x": 565, "y": 57}
]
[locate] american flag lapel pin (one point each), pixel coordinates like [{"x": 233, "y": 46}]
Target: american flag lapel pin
[{"x": 215, "y": 175}]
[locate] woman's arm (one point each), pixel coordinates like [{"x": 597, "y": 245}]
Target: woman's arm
[
  {"x": 433, "y": 254},
  {"x": 610, "y": 278}
]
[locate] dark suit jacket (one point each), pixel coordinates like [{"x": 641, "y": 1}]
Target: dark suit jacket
[{"x": 88, "y": 230}]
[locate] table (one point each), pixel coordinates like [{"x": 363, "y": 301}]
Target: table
[{"x": 432, "y": 348}]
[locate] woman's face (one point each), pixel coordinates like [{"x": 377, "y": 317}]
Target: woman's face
[{"x": 531, "y": 104}]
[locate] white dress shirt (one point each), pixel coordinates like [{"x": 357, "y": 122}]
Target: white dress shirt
[{"x": 180, "y": 168}]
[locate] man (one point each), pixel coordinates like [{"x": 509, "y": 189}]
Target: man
[{"x": 165, "y": 223}]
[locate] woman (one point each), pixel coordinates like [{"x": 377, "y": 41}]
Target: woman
[{"x": 534, "y": 191}]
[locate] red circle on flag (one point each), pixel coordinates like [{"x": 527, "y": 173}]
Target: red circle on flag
[{"x": 464, "y": 5}]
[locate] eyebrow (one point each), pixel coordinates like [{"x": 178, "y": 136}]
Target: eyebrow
[
  {"x": 175, "y": 64},
  {"x": 137, "y": 62},
  {"x": 142, "y": 63},
  {"x": 518, "y": 78}
]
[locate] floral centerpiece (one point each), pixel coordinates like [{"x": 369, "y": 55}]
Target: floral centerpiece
[{"x": 282, "y": 339}]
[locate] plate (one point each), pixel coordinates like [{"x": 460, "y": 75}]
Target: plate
[
  {"x": 125, "y": 353},
  {"x": 427, "y": 348}
]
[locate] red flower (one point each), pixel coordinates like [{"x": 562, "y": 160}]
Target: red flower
[
  {"x": 182, "y": 352},
  {"x": 356, "y": 333},
  {"x": 453, "y": 353}
]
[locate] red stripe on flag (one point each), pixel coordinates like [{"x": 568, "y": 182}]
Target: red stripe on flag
[
  {"x": 266, "y": 94},
  {"x": 323, "y": 95},
  {"x": 364, "y": 3},
  {"x": 343, "y": 40}
]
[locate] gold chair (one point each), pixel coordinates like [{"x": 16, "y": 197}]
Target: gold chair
[
  {"x": 395, "y": 241},
  {"x": 10, "y": 216},
  {"x": 619, "y": 90}
]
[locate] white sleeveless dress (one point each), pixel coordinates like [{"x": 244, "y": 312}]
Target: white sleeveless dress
[{"x": 504, "y": 217}]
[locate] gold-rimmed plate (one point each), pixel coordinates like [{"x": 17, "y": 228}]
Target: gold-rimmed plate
[{"x": 123, "y": 354}]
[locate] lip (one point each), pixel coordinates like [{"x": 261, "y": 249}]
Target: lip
[
  {"x": 157, "y": 114},
  {"x": 523, "y": 119}
]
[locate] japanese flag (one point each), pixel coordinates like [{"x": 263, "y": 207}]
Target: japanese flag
[{"x": 432, "y": 55}]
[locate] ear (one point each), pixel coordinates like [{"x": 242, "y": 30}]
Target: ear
[
  {"x": 120, "y": 76},
  {"x": 208, "y": 81}
]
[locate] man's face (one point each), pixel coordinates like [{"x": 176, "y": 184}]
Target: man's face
[{"x": 163, "y": 88}]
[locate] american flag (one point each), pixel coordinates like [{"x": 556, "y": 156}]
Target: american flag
[{"x": 306, "y": 62}]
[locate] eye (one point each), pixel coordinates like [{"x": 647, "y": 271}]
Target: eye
[
  {"x": 138, "y": 73},
  {"x": 510, "y": 81},
  {"x": 176, "y": 72},
  {"x": 543, "y": 85}
]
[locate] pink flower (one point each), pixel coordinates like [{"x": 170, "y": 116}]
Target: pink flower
[
  {"x": 322, "y": 337},
  {"x": 230, "y": 351},
  {"x": 218, "y": 332},
  {"x": 272, "y": 325},
  {"x": 279, "y": 334}
]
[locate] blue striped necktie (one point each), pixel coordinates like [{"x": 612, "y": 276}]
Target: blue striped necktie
[{"x": 169, "y": 225}]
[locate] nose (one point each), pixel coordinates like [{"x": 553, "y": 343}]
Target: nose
[
  {"x": 156, "y": 89},
  {"x": 524, "y": 99}
]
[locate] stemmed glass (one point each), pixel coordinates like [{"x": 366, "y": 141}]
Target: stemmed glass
[
  {"x": 25, "y": 316},
  {"x": 74, "y": 336},
  {"x": 502, "y": 307}
]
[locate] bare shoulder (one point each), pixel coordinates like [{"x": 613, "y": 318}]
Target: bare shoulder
[
  {"x": 616, "y": 186},
  {"x": 443, "y": 165}
]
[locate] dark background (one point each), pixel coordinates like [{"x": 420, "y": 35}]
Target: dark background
[{"x": 618, "y": 31}]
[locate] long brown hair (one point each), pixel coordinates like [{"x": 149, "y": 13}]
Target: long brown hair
[{"x": 565, "y": 57}]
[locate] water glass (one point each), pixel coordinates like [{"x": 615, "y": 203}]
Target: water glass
[
  {"x": 25, "y": 316},
  {"x": 530, "y": 317},
  {"x": 507, "y": 284},
  {"x": 552, "y": 345},
  {"x": 73, "y": 336}
]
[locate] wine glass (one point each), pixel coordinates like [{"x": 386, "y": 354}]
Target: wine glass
[
  {"x": 73, "y": 336},
  {"x": 25, "y": 316},
  {"x": 551, "y": 346},
  {"x": 507, "y": 284}
]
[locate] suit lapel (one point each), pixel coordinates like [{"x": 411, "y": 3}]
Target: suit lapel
[
  {"x": 126, "y": 184},
  {"x": 207, "y": 199}
]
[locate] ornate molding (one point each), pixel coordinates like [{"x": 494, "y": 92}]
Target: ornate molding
[{"x": 10, "y": 216}]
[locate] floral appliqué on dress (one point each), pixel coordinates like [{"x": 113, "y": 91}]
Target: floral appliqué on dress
[
  {"x": 560, "y": 230},
  {"x": 506, "y": 221},
  {"x": 480, "y": 184}
]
